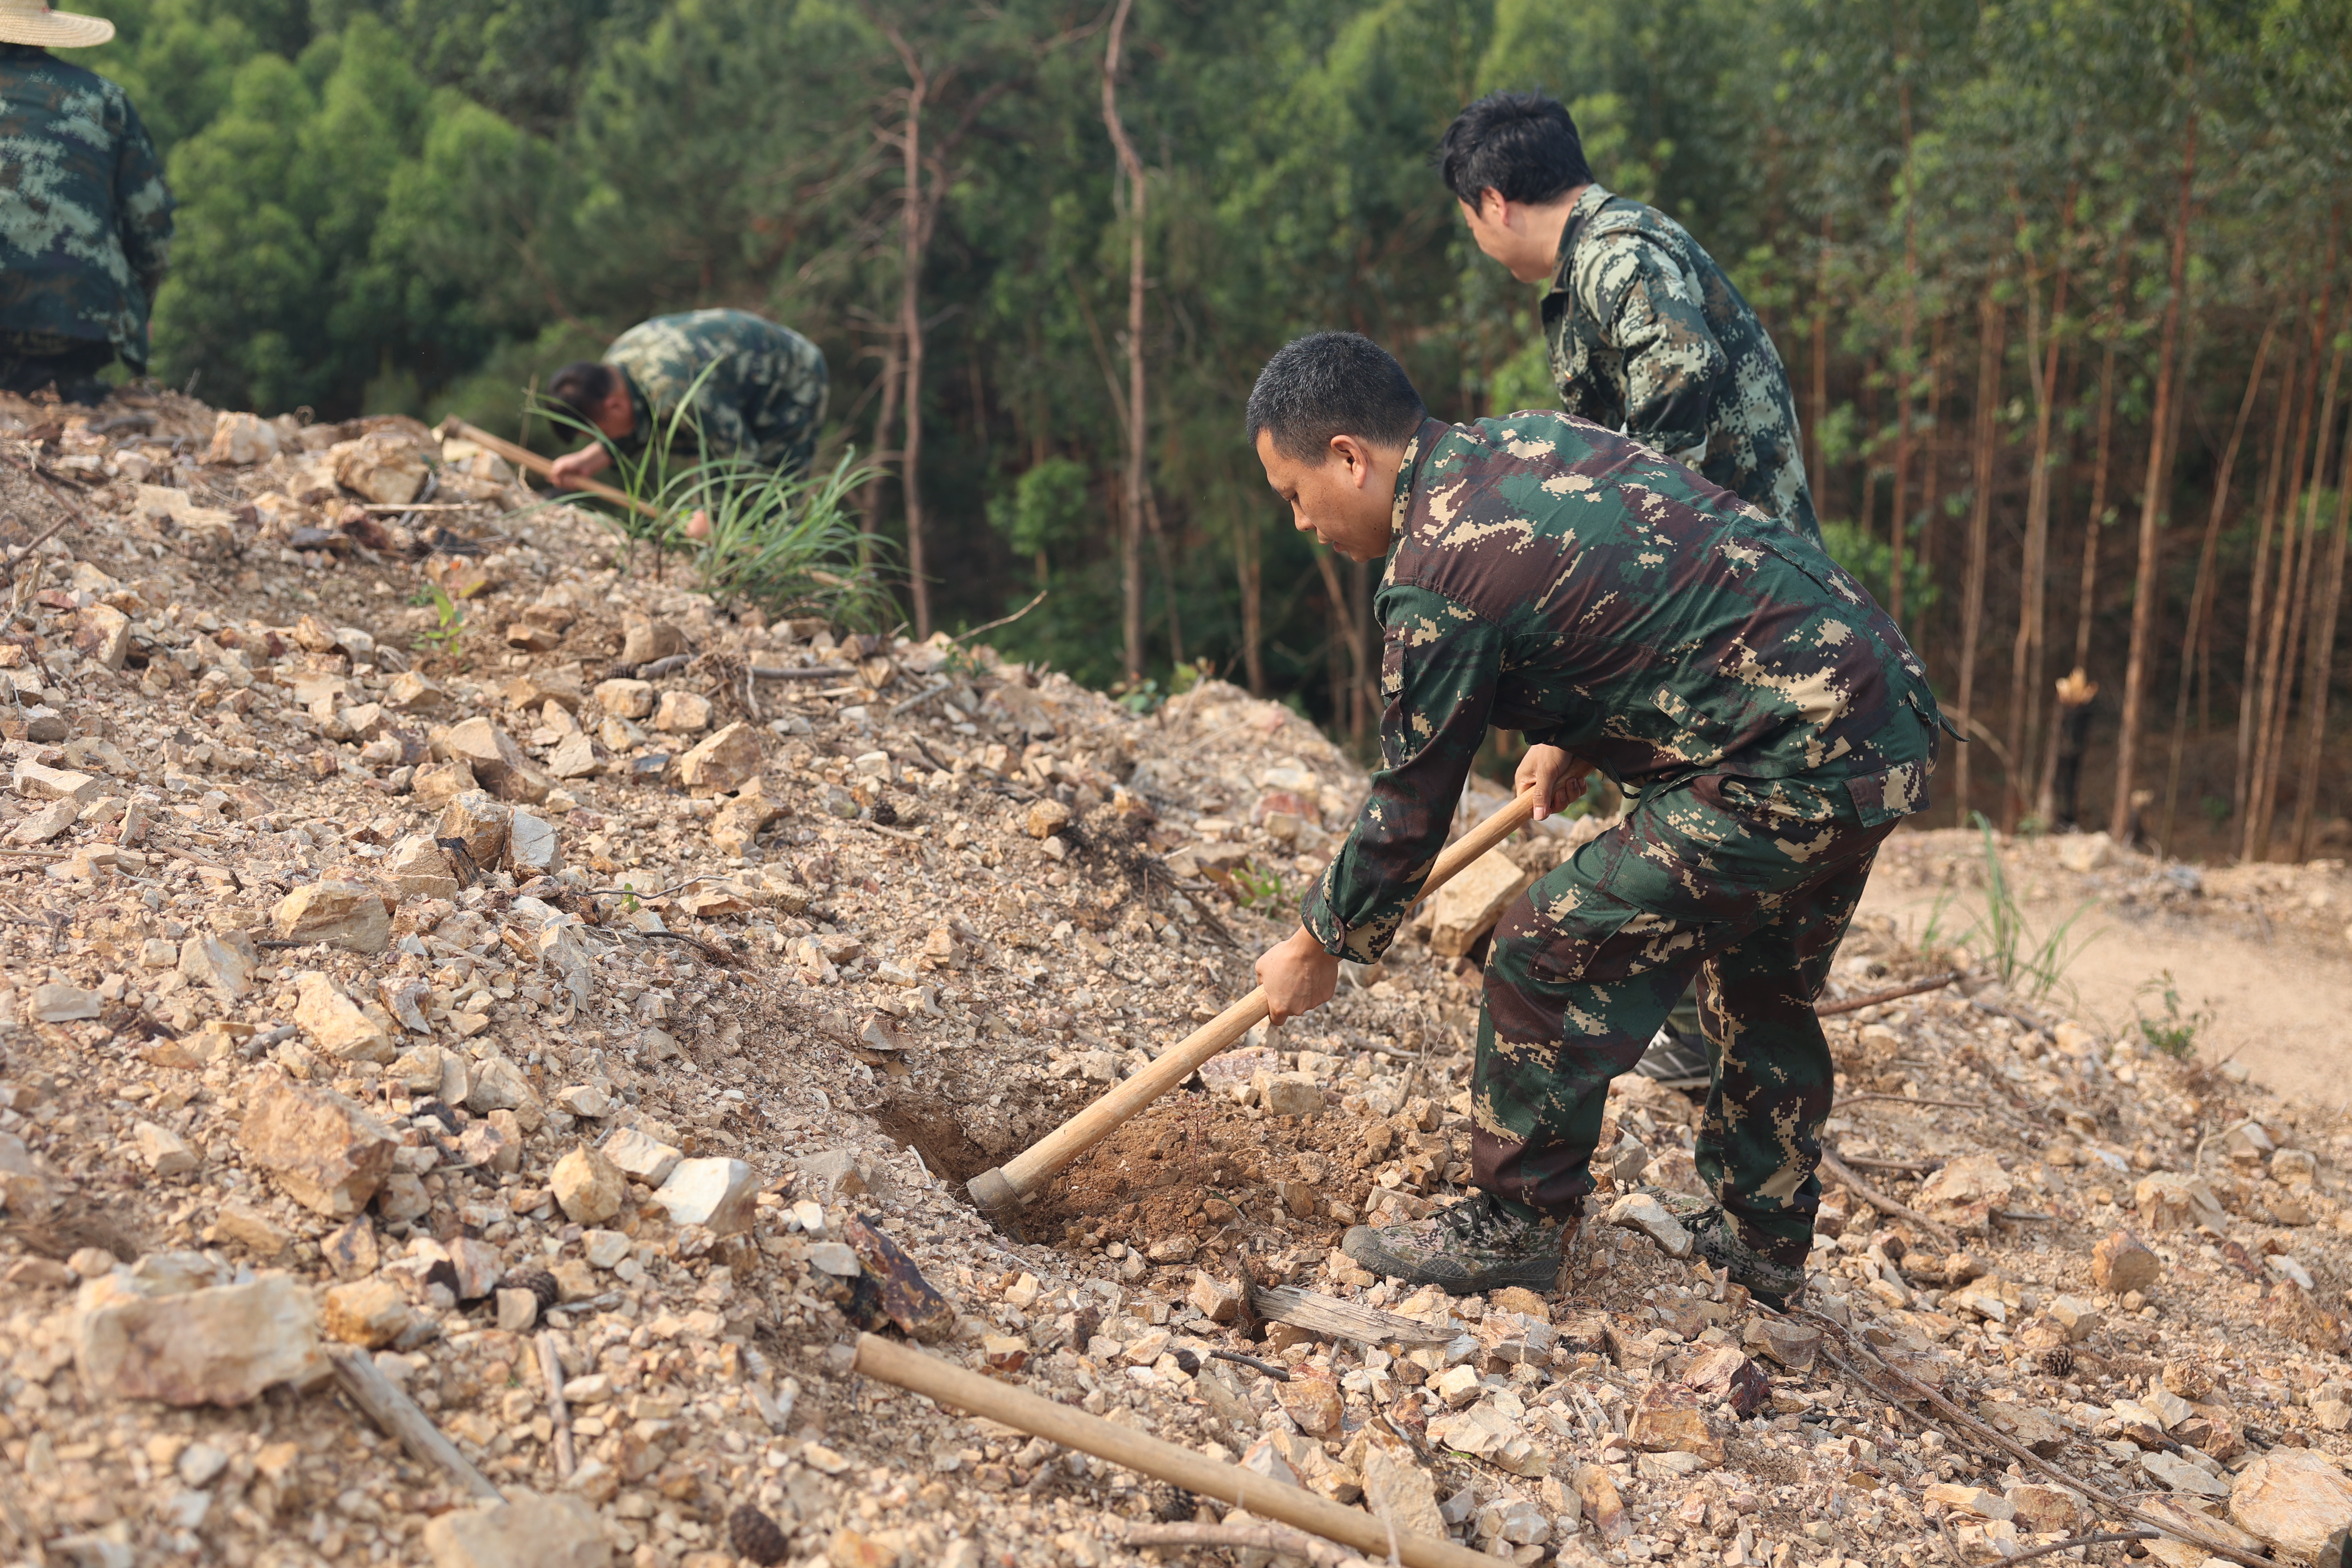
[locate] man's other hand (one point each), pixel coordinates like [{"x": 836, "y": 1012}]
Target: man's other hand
[
  {"x": 575, "y": 466},
  {"x": 1297, "y": 974},
  {"x": 1556, "y": 776}
]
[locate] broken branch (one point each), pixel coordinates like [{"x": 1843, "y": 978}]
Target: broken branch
[
  {"x": 1881, "y": 1202},
  {"x": 1271, "y": 1538},
  {"x": 388, "y": 1405},
  {"x": 1230, "y": 1484}
]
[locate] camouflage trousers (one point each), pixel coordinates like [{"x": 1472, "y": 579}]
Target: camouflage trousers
[{"x": 1745, "y": 887}]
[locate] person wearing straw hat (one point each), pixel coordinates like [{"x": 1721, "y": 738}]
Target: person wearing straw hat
[{"x": 85, "y": 215}]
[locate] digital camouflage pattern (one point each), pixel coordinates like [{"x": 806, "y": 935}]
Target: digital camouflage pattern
[
  {"x": 1647, "y": 335},
  {"x": 85, "y": 215},
  {"x": 1766, "y": 721},
  {"x": 761, "y": 401}
]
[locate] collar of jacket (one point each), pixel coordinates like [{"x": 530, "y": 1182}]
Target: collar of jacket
[
  {"x": 1408, "y": 478},
  {"x": 1595, "y": 195}
]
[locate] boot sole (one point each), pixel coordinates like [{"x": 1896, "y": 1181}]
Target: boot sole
[{"x": 1361, "y": 1245}]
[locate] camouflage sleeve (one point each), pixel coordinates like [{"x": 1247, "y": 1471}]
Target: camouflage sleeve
[
  {"x": 1674, "y": 368},
  {"x": 144, "y": 203},
  {"x": 1438, "y": 671}
]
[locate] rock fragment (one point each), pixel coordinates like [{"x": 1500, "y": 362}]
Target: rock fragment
[
  {"x": 721, "y": 764},
  {"x": 326, "y": 1151},
  {"x": 2121, "y": 1263},
  {"x": 715, "y": 1193},
  {"x": 2293, "y": 1500},
  {"x": 220, "y": 1345},
  {"x": 339, "y": 915},
  {"x": 910, "y": 1301},
  {"x": 1645, "y": 1213},
  {"x": 527, "y": 1530}
]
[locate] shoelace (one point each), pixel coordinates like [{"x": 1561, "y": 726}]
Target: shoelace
[{"x": 1475, "y": 1218}]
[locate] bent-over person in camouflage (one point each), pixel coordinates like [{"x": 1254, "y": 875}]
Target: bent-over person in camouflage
[
  {"x": 1767, "y": 725},
  {"x": 1646, "y": 333},
  {"x": 85, "y": 215},
  {"x": 739, "y": 385}
]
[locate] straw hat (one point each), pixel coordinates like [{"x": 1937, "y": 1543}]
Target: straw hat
[{"x": 30, "y": 21}]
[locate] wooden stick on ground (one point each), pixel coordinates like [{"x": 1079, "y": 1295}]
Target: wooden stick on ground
[
  {"x": 389, "y": 1406},
  {"x": 1832, "y": 1165},
  {"x": 1228, "y": 1485},
  {"x": 1272, "y": 1537},
  {"x": 550, "y": 1368},
  {"x": 1856, "y": 1004},
  {"x": 524, "y": 457},
  {"x": 1017, "y": 1179}
]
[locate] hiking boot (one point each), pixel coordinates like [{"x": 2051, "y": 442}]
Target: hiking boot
[
  {"x": 1467, "y": 1249},
  {"x": 1676, "y": 1060},
  {"x": 1774, "y": 1284}
]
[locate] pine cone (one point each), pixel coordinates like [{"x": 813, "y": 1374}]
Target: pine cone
[
  {"x": 2056, "y": 1363},
  {"x": 885, "y": 814},
  {"x": 757, "y": 1536},
  {"x": 539, "y": 1282}
]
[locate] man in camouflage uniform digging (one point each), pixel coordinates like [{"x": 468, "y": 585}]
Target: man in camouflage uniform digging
[
  {"x": 1768, "y": 724},
  {"x": 742, "y": 386},
  {"x": 85, "y": 216}
]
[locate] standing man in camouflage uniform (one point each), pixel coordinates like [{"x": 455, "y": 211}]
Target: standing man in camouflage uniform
[
  {"x": 1646, "y": 336},
  {"x": 1766, "y": 721},
  {"x": 85, "y": 216},
  {"x": 742, "y": 386}
]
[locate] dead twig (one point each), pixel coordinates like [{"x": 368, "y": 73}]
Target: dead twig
[
  {"x": 1279, "y": 1375},
  {"x": 1906, "y": 1099},
  {"x": 550, "y": 1369},
  {"x": 389, "y": 1406},
  {"x": 1005, "y": 620},
  {"x": 1980, "y": 1436},
  {"x": 1855, "y": 1004},
  {"x": 2103, "y": 1539},
  {"x": 1882, "y": 1203}
]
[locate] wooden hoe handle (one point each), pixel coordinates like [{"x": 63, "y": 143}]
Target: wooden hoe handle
[
  {"x": 1018, "y": 1179},
  {"x": 523, "y": 457}
]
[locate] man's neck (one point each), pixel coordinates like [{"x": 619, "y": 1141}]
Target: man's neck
[{"x": 1549, "y": 221}]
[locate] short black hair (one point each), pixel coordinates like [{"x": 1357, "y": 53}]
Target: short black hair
[
  {"x": 582, "y": 386},
  {"x": 1332, "y": 384},
  {"x": 1523, "y": 144}
]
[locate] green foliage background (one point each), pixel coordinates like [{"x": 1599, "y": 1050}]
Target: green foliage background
[{"x": 420, "y": 205}]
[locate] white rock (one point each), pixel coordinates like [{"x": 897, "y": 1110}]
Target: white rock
[
  {"x": 217, "y": 1346},
  {"x": 527, "y": 1530},
  {"x": 833, "y": 1258},
  {"x": 2293, "y": 1498},
  {"x": 166, "y": 1153},
  {"x": 715, "y": 1193},
  {"x": 1642, "y": 1212},
  {"x": 221, "y": 959},
  {"x": 641, "y": 1155},
  {"x": 336, "y": 1022},
  {"x": 58, "y": 1003}
]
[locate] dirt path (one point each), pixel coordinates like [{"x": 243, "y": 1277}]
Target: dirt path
[{"x": 2260, "y": 951}]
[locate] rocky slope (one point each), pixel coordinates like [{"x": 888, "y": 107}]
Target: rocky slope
[{"x": 580, "y": 1012}]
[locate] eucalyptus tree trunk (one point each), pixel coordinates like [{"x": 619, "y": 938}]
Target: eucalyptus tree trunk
[
  {"x": 1247, "y": 569},
  {"x": 2306, "y": 538},
  {"x": 2318, "y": 676},
  {"x": 2153, "y": 501},
  {"x": 1130, "y": 533},
  {"x": 1991, "y": 323},
  {"x": 2257, "y": 588},
  {"x": 917, "y": 213},
  {"x": 2286, "y": 601},
  {"x": 2026, "y": 654},
  {"x": 2201, "y": 596}
]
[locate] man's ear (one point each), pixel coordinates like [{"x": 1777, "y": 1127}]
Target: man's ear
[
  {"x": 1356, "y": 456},
  {"x": 1494, "y": 207}
]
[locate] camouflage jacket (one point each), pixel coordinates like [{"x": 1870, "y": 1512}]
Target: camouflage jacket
[
  {"x": 85, "y": 216},
  {"x": 1553, "y": 577},
  {"x": 761, "y": 401},
  {"x": 1648, "y": 336}
]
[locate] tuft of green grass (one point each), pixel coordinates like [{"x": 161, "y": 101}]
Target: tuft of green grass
[
  {"x": 449, "y": 620},
  {"x": 2175, "y": 1034},
  {"x": 1261, "y": 888},
  {"x": 2001, "y": 939},
  {"x": 790, "y": 543}
]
